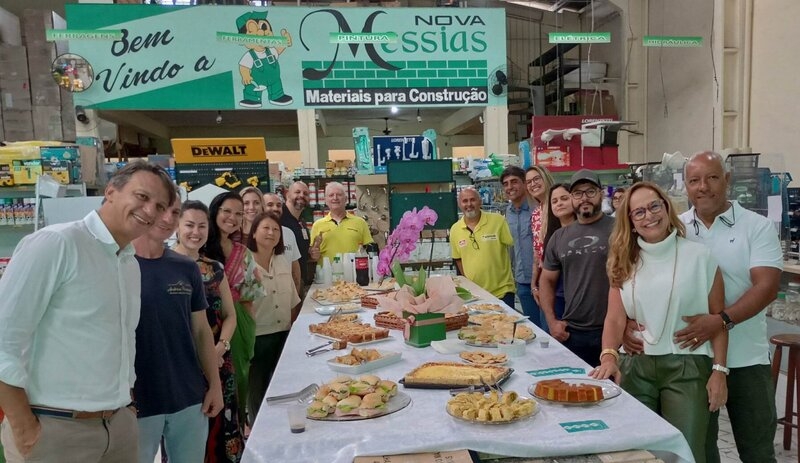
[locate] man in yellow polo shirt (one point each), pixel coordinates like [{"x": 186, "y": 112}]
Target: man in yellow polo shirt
[
  {"x": 338, "y": 232},
  {"x": 480, "y": 244}
]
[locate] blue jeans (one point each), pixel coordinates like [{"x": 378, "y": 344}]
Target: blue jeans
[
  {"x": 508, "y": 299},
  {"x": 185, "y": 433},
  {"x": 529, "y": 305}
]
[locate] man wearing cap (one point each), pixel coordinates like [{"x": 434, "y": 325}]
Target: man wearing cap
[
  {"x": 580, "y": 252},
  {"x": 259, "y": 67},
  {"x": 479, "y": 244}
]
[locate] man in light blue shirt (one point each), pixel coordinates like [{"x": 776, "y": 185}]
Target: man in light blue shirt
[
  {"x": 518, "y": 216},
  {"x": 68, "y": 316}
]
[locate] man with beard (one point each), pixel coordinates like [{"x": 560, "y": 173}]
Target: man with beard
[
  {"x": 580, "y": 252},
  {"x": 296, "y": 201},
  {"x": 479, "y": 243}
]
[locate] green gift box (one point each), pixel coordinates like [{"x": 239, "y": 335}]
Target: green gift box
[{"x": 422, "y": 328}]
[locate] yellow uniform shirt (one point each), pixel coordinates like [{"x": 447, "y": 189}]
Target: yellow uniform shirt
[
  {"x": 342, "y": 237},
  {"x": 484, "y": 252}
]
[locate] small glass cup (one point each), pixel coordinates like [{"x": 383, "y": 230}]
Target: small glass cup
[
  {"x": 544, "y": 343},
  {"x": 297, "y": 417}
]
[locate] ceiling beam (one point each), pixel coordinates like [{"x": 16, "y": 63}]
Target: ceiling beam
[
  {"x": 136, "y": 119},
  {"x": 459, "y": 120}
]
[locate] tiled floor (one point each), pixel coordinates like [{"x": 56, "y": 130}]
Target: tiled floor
[{"x": 727, "y": 446}]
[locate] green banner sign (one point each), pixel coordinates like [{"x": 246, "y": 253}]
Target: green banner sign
[
  {"x": 671, "y": 41},
  {"x": 55, "y": 35},
  {"x": 240, "y": 57},
  {"x": 579, "y": 37}
]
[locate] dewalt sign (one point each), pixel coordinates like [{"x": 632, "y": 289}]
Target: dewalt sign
[{"x": 211, "y": 150}]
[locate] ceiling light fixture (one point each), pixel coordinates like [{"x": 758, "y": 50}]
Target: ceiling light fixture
[{"x": 394, "y": 110}]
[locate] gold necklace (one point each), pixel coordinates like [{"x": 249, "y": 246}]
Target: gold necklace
[{"x": 669, "y": 300}]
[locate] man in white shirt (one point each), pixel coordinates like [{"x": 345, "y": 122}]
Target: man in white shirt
[
  {"x": 70, "y": 306},
  {"x": 748, "y": 251}
]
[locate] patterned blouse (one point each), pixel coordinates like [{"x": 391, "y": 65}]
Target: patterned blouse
[{"x": 536, "y": 229}]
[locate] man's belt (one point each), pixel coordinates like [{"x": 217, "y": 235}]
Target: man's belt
[{"x": 74, "y": 414}]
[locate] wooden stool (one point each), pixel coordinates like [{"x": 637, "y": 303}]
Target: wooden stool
[{"x": 792, "y": 341}]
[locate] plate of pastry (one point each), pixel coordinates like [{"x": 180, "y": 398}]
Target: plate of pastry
[{"x": 574, "y": 391}]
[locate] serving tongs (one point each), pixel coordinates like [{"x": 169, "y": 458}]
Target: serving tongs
[
  {"x": 301, "y": 396},
  {"x": 331, "y": 345}
]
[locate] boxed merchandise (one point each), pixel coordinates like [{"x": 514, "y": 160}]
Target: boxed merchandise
[
  {"x": 62, "y": 162},
  {"x": 15, "y": 94},
  {"x": 6, "y": 174},
  {"x": 26, "y": 171},
  {"x": 13, "y": 62},
  {"x": 17, "y": 124},
  {"x": 591, "y": 102}
]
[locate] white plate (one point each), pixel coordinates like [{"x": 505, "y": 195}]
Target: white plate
[
  {"x": 486, "y": 364},
  {"x": 513, "y": 420},
  {"x": 507, "y": 317},
  {"x": 395, "y": 404},
  {"x": 355, "y": 344},
  {"x": 346, "y": 308},
  {"x": 497, "y": 308},
  {"x": 387, "y": 358},
  {"x": 610, "y": 391}
]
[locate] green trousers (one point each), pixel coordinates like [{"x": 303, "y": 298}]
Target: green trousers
[
  {"x": 242, "y": 345},
  {"x": 674, "y": 386}
]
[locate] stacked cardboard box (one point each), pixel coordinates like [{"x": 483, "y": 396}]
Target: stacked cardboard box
[{"x": 45, "y": 94}]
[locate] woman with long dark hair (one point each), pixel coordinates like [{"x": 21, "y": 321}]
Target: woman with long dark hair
[
  {"x": 560, "y": 213},
  {"x": 244, "y": 278}
]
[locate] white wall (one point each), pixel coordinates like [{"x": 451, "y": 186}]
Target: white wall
[
  {"x": 775, "y": 97},
  {"x": 687, "y": 76}
]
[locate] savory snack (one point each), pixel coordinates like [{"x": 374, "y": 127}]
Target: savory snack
[
  {"x": 485, "y": 308},
  {"x": 349, "y": 331},
  {"x": 481, "y": 357},
  {"x": 340, "y": 291},
  {"x": 489, "y": 318},
  {"x": 492, "y": 407},
  {"x": 561, "y": 391},
  {"x": 492, "y": 333},
  {"x": 454, "y": 374},
  {"x": 358, "y": 356},
  {"x": 367, "y": 396}
]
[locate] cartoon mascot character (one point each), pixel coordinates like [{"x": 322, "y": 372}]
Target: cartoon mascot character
[{"x": 259, "y": 67}]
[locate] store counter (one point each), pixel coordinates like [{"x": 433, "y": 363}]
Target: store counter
[{"x": 621, "y": 423}]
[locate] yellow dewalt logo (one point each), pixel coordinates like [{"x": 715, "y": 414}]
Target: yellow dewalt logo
[{"x": 219, "y": 150}]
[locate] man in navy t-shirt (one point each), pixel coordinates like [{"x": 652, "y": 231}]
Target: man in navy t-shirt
[{"x": 177, "y": 381}]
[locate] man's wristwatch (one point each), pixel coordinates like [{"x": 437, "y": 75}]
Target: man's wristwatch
[
  {"x": 721, "y": 369},
  {"x": 727, "y": 323}
]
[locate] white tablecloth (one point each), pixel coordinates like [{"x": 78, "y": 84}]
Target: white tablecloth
[{"x": 425, "y": 425}]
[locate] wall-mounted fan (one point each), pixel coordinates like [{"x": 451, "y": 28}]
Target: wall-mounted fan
[{"x": 498, "y": 81}]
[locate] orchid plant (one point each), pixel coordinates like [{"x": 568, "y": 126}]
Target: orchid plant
[{"x": 401, "y": 243}]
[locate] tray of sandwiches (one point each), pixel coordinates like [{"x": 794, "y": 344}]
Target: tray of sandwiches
[
  {"x": 340, "y": 291},
  {"x": 489, "y": 334},
  {"x": 347, "y": 308},
  {"x": 361, "y": 360},
  {"x": 479, "y": 308},
  {"x": 349, "y": 399},
  {"x": 492, "y": 317},
  {"x": 352, "y": 331},
  {"x": 446, "y": 375},
  {"x": 491, "y": 408},
  {"x": 482, "y": 357},
  {"x": 574, "y": 391}
]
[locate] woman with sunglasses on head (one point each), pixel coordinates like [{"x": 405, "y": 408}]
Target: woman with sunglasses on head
[
  {"x": 226, "y": 215},
  {"x": 253, "y": 202},
  {"x": 649, "y": 256},
  {"x": 274, "y": 312},
  {"x": 224, "y": 443},
  {"x": 560, "y": 213},
  {"x": 538, "y": 182}
]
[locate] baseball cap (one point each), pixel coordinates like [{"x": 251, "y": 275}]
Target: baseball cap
[
  {"x": 584, "y": 175},
  {"x": 254, "y": 15}
]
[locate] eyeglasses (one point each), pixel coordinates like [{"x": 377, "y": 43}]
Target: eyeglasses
[
  {"x": 538, "y": 179},
  {"x": 227, "y": 211},
  {"x": 641, "y": 213},
  {"x": 590, "y": 193},
  {"x": 616, "y": 199},
  {"x": 474, "y": 242}
]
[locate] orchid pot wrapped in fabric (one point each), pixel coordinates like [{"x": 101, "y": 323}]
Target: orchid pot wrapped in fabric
[{"x": 421, "y": 300}]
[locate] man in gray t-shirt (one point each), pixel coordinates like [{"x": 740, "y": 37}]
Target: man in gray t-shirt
[{"x": 580, "y": 252}]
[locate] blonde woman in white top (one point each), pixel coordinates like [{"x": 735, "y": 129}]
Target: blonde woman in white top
[
  {"x": 656, "y": 278},
  {"x": 274, "y": 312}
]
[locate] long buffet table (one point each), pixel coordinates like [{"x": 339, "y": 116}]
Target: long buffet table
[{"x": 621, "y": 423}]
